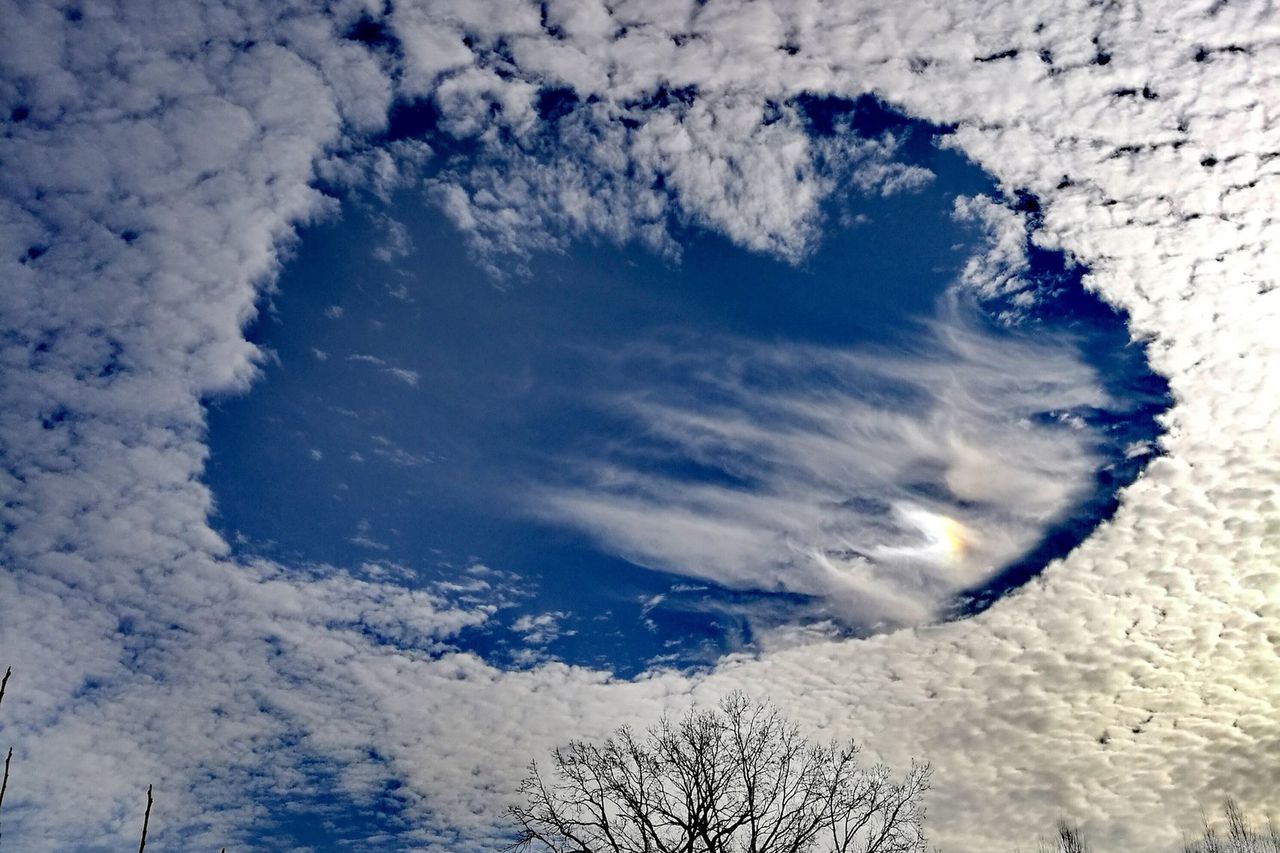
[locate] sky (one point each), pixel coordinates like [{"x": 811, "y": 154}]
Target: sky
[
  {"x": 391, "y": 392},
  {"x": 739, "y": 443}
]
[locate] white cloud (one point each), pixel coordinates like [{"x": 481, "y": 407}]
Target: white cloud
[
  {"x": 387, "y": 449},
  {"x": 884, "y": 483},
  {"x": 400, "y": 374},
  {"x": 167, "y": 150},
  {"x": 997, "y": 271},
  {"x": 396, "y": 243},
  {"x": 408, "y": 377},
  {"x": 363, "y": 538},
  {"x": 724, "y": 162},
  {"x": 541, "y": 629}
]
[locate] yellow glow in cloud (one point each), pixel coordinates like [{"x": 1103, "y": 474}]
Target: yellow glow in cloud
[{"x": 947, "y": 538}]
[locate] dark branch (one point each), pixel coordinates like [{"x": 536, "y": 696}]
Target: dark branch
[
  {"x": 4, "y": 783},
  {"x": 146, "y": 819}
]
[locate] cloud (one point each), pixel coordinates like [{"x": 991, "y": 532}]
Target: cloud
[
  {"x": 883, "y": 483},
  {"x": 363, "y": 538},
  {"x": 629, "y": 172},
  {"x": 387, "y": 449},
  {"x": 541, "y": 629},
  {"x": 396, "y": 243},
  {"x": 365, "y": 358},
  {"x": 158, "y": 158},
  {"x": 408, "y": 377},
  {"x": 997, "y": 271},
  {"x": 401, "y": 374}
]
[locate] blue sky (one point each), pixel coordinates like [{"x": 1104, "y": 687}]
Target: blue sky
[
  {"x": 390, "y": 392},
  {"x": 415, "y": 406}
]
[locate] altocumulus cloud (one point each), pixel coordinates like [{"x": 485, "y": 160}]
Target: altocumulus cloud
[{"x": 157, "y": 159}]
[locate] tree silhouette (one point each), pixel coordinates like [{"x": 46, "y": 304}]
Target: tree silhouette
[
  {"x": 1067, "y": 839},
  {"x": 1238, "y": 835},
  {"x": 736, "y": 779},
  {"x": 1235, "y": 833}
]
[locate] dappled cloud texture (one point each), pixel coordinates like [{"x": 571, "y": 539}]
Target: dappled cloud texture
[{"x": 159, "y": 155}]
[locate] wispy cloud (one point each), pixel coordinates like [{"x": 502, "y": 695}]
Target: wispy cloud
[
  {"x": 401, "y": 374},
  {"x": 408, "y": 377},
  {"x": 883, "y": 482},
  {"x": 387, "y": 449}
]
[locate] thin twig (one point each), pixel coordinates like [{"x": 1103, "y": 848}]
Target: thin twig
[
  {"x": 4, "y": 682},
  {"x": 146, "y": 818},
  {"x": 5, "y": 783}
]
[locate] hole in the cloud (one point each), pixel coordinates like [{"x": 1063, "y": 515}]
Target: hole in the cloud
[
  {"x": 411, "y": 119},
  {"x": 111, "y": 363},
  {"x": 321, "y": 809},
  {"x": 1026, "y": 202},
  {"x": 19, "y": 113},
  {"x": 865, "y": 116},
  {"x": 55, "y": 418},
  {"x": 372, "y": 33},
  {"x": 665, "y": 97},
  {"x": 87, "y": 688},
  {"x": 645, "y": 464},
  {"x": 555, "y": 103}
]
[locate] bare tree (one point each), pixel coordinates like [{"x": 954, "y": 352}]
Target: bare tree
[
  {"x": 1067, "y": 839},
  {"x": 1237, "y": 834},
  {"x": 736, "y": 779}
]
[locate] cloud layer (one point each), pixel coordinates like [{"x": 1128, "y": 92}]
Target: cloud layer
[{"x": 159, "y": 155}]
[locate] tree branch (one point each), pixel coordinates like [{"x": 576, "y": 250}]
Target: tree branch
[{"x": 146, "y": 819}]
